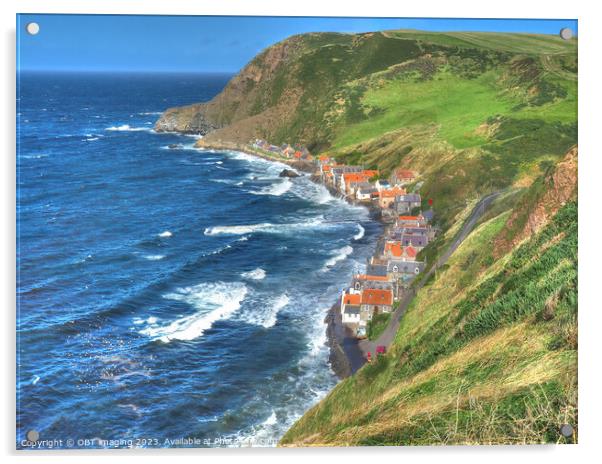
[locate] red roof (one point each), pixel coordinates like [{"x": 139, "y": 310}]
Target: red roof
[
  {"x": 395, "y": 248},
  {"x": 370, "y": 277},
  {"x": 323, "y": 157},
  {"x": 377, "y": 297},
  {"x": 410, "y": 218},
  {"x": 410, "y": 251},
  {"x": 353, "y": 177},
  {"x": 352, "y": 298},
  {"x": 392, "y": 192},
  {"x": 370, "y": 173}
]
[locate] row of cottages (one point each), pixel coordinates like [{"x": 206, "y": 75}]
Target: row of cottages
[
  {"x": 388, "y": 272},
  {"x": 359, "y": 306},
  {"x": 286, "y": 150}
]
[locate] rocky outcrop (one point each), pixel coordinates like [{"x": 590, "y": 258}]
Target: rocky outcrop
[
  {"x": 288, "y": 173},
  {"x": 543, "y": 200},
  {"x": 245, "y": 105}
]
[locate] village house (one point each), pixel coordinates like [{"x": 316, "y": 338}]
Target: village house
[
  {"x": 406, "y": 202},
  {"x": 403, "y": 176},
  {"x": 350, "y": 178},
  {"x": 410, "y": 221},
  {"x": 376, "y": 301},
  {"x": 399, "y": 269},
  {"x": 395, "y": 250},
  {"x": 350, "y": 307},
  {"x": 364, "y": 192},
  {"x": 364, "y": 281},
  {"x": 387, "y": 197}
]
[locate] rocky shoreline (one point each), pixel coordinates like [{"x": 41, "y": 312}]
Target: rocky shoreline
[{"x": 345, "y": 356}]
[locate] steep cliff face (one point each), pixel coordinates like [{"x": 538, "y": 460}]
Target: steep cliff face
[{"x": 541, "y": 202}]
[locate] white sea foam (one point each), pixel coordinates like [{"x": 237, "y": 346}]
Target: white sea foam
[
  {"x": 338, "y": 255},
  {"x": 212, "y": 302},
  {"x": 127, "y": 128},
  {"x": 255, "y": 274},
  {"x": 267, "y": 227},
  {"x": 165, "y": 234},
  {"x": 277, "y": 189},
  {"x": 154, "y": 257},
  {"x": 150, "y": 113},
  {"x": 266, "y": 313},
  {"x": 35, "y": 379},
  {"x": 360, "y": 233}
]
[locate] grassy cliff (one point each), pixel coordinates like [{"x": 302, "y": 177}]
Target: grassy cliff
[
  {"x": 471, "y": 112},
  {"x": 487, "y": 351}
]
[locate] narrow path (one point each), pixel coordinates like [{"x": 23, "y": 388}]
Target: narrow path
[{"x": 388, "y": 334}]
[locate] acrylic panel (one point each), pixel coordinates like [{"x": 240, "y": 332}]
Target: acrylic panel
[{"x": 288, "y": 231}]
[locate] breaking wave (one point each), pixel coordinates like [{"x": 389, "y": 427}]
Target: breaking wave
[
  {"x": 212, "y": 301},
  {"x": 360, "y": 233},
  {"x": 255, "y": 274},
  {"x": 127, "y": 128},
  {"x": 165, "y": 234},
  {"x": 277, "y": 189},
  {"x": 339, "y": 255},
  {"x": 265, "y": 227}
]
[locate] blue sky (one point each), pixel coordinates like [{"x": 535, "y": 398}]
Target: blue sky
[{"x": 202, "y": 43}]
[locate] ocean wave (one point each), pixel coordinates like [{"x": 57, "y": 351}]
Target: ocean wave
[
  {"x": 40, "y": 156},
  {"x": 360, "y": 233},
  {"x": 213, "y": 302},
  {"x": 276, "y": 189},
  {"x": 255, "y": 274},
  {"x": 127, "y": 128},
  {"x": 153, "y": 257},
  {"x": 266, "y": 227},
  {"x": 338, "y": 255},
  {"x": 165, "y": 234},
  {"x": 150, "y": 113},
  {"x": 265, "y": 314}
]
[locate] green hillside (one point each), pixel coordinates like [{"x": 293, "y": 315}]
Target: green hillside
[
  {"x": 486, "y": 353},
  {"x": 471, "y": 112}
]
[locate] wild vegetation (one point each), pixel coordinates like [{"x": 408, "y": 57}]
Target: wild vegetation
[{"x": 487, "y": 351}]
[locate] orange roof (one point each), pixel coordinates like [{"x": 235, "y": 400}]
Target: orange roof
[
  {"x": 395, "y": 248},
  {"x": 352, "y": 298},
  {"x": 392, "y": 192},
  {"x": 297, "y": 154},
  {"x": 349, "y": 177},
  {"x": 411, "y": 251},
  {"x": 370, "y": 277},
  {"x": 323, "y": 157},
  {"x": 373, "y": 296},
  {"x": 409, "y": 218},
  {"x": 326, "y": 168},
  {"x": 370, "y": 173}
]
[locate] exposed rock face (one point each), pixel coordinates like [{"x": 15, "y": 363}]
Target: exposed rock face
[
  {"x": 244, "y": 106},
  {"x": 551, "y": 193}
]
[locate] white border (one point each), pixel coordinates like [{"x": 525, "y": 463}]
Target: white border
[{"x": 590, "y": 171}]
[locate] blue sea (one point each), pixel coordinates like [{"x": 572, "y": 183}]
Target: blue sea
[{"x": 166, "y": 294}]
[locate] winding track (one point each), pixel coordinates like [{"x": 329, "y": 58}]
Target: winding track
[{"x": 388, "y": 334}]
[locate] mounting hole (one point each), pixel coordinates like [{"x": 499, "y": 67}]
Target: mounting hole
[
  {"x": 566, "y": 33},
  {"x": 32, "y": 28},
  {"x": 566, "y": 430}
]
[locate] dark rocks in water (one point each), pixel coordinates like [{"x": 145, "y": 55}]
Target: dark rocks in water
[
  {"x": 288, "y": 173},
  {"x": 173, "y": 146}
]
